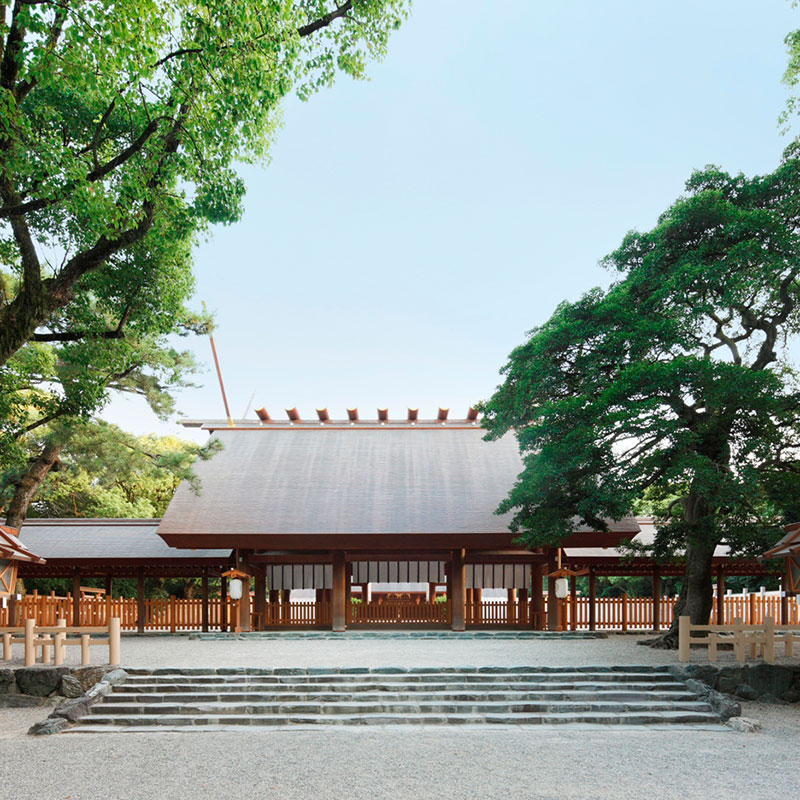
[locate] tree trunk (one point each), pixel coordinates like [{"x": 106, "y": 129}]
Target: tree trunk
[
  {"x": 30, "y": 483},
  {"x": 696, "y": 597}
]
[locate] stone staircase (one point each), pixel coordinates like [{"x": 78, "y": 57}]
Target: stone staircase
[{"x": 223, "y": 697}]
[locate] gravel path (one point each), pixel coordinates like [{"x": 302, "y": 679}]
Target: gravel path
[
  {"x": 180, "y": 651},
  {"x": 392, "y": 763},
  {"x": 388, "y": 763}
]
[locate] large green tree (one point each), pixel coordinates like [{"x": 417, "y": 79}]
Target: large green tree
[
  {"x": 103, "y": 471},
  {"x": 121, "y": 121},
  {"x": 676, "y": 380}
]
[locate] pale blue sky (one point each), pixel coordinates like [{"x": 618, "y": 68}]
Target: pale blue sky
[{"x": 409, "y": 230}]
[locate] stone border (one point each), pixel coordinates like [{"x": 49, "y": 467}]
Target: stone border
[
  {"x": 400, "y": 634},
  {"x": 767, "y": 683},
  {"x": 80, "y": 687}
]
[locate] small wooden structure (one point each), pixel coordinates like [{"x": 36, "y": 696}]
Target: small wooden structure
[
  {"x": 746, "y": 639},
  {"x": 12, "y": 552}
]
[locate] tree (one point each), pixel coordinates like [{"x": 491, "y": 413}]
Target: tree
[
  {"x": 674, "y": 381},
  {"x": 103, "y": 471},
  {"x": 120, "y": 122}
]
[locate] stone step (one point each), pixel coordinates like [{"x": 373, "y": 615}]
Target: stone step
[
  {"x": 371, "y": 695},
  {"x": 415, "y": 687},
  {"x": 461, "y": 678},
  {"x": 597, "y": 718},
  {"x": 400, "y": 707},
  {"x": 497, "y": 670}
]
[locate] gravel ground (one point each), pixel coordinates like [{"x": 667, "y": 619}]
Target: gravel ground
[
  {"x": 410, "y": 763},
  {"x": 180, "y": 651},
  {"x": 374, "y": 763}
]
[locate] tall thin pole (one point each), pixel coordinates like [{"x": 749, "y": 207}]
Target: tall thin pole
[{"x": 219, "y": 375}]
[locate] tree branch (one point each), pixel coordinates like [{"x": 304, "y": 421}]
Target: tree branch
[{"x": 323, "y": 22}]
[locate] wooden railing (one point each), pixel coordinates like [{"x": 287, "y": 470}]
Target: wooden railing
[
  {"x": 756, "y": 638},
  {"x": 303, "y": 613},
  {"x": 392, "y": 613},
  {"x": 186, "y": 614},
  {"x": 56, "y": 637}
]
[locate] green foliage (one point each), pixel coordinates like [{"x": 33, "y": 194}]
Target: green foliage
[
  {"x": 673, "y": 384},
  {"x": 105, "y": 472},
  {"x": 120, "y": 125}
]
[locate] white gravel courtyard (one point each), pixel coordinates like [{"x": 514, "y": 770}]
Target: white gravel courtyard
[{"x": 401, "y": 762}]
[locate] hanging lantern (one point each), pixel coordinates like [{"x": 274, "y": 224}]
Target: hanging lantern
[
  {"x": 562, "y": 588},
  {"x": 235, "y": 589}
]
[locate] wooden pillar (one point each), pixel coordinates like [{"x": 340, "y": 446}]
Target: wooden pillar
[
  {"x": 720, "y": 596},
  {"x": 456, "y": 572},
  {"x": 274, "y": 615},
  {"x": 204, "y": 610},
  {"x": 243, "y": 563},
  {"x": 656, "y": 601},
  {"x": 339, "y": 593},
  {"x": 592, "y": 599},
  {"x": 76, "y": 598},
  {"x": 109, "y": 585},
  {"x": 537, "y": 597},
  {"x": 140, "y": 609},
  {"x": 12, "y": 609},
  {"x": 784, "y": 600},
  {"x": 511, "y": 613},
  {"x": 260, "y": 594},
  {"x": 573, "y": 603},
  {"x": 431, "y": 591},
  {"x": 348, "y": 593},
  {"x": 364, "y": 592},
  {"x": 223, "y": 601},
  {"x": 553, "y": 621},
  {"x": 286, "y": 606},
  {"x": 468, "y": 606},
  {"x": 477, "y": 599},
  {"x": 523, "y": 606}
]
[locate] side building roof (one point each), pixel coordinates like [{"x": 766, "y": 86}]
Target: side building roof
[{"x": 115, "y": 545}]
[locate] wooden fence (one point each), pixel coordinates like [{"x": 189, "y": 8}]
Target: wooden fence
[
  {"x": 186, "y": 614},
  {"x": 390, "y": 613}
]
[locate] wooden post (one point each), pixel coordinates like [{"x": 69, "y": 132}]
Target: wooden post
[
  {"x": 752, "y": 609},
  {"x": 85, "y": 655},
  {"x": 459, "y": 594},
  {"x": 477, "y": 599},
  {"x": 223, "y": 604},
  {"x": 76, "y": 599},
  {"x": 140, "y": 609},
  {"x": 12, "y": 608},
  {"x": 243, "y": 564},
  {"x": 511, "y": 600},
  {"x": 537, "y": 597},
  {"x": 113, "y": 641},
  {"x": 204, "y": 611},
  {"x": 684, "y": 647},
  {"x": 784, "y": 605},
  {"x": 624, "y": 612},
  {"x": 30, "y": 646},
  {"x": 58, "y": 646},
  {"x": 431, "y": 591},
  {"x": 720, "y": 596},
  {"x": 348, "y": 593},
  {"x": 656, "y": 601},
  {"x": 286, "y": 607},
  {"x": 573, "y": 603},
  {"x": 592, "y": 599},
  {"x": 523, "y": 606},
  {"x": 553, "y": 621},
  {"x": 275, "y": 608},
  {"x": 172, "y": 613},
  {"x": 339, "y": 609},
  {"x": 468, "y": 594},
  {"x": 260, "y": 593}
]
